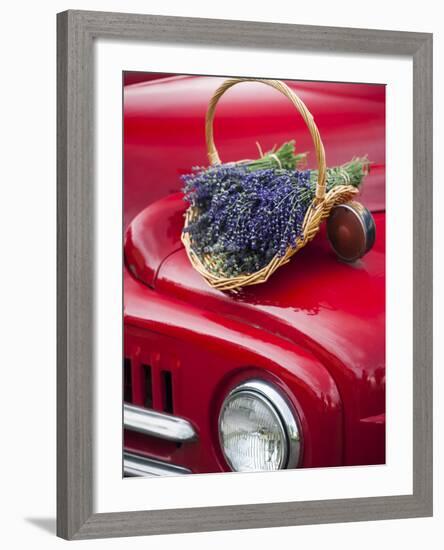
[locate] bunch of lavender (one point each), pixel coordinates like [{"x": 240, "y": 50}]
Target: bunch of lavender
[
  {"x": 246, "y": 215},
  {"x": 350, "y": 173},
  {"x": 285, "y": 157}
]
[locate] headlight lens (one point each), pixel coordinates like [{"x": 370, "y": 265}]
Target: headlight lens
[{"x": 252, "y": 433}]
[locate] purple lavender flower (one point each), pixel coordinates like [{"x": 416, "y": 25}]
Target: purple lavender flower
[{"x": 246, "y": 217}]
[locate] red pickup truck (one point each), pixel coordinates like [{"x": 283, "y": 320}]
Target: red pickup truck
[{"x": 209, "y": 375}]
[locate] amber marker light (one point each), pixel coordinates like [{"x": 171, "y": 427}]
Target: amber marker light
[{"x": 351, "y": 231}]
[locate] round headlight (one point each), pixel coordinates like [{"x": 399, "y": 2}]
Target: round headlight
[{"x": 257, "y": 429}]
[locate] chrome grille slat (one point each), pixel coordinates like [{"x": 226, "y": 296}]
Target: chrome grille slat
[
  {"x": 135, "y": 465},
  {"x": 157, "y": 424}
]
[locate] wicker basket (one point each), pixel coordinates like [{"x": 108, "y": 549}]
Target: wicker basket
[{"x": 316, "y": 213}]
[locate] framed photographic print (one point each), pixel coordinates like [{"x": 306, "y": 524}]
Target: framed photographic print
[{"x": 244, "y": 274}]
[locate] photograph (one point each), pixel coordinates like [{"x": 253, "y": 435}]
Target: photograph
[
  {"x": 220, "y": 230},
  {"x": 254, "y": 274}
]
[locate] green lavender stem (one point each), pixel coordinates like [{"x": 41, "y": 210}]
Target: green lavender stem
[
  {"x": 350, "y": 173},
  {"x": 284, "y": 157}
]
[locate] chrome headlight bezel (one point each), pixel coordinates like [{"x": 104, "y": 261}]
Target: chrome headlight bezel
[{"x": 278, "y": 405}]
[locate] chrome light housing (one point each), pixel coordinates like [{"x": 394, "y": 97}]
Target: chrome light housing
[{"x": 258, "y": 430}]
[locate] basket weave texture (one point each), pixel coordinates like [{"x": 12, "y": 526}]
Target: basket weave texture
[{"x": 319, "y": 209}]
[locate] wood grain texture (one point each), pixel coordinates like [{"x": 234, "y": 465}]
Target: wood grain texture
[
  {"x": 423, "y": 273},
  {"x": 76, "y": 32},
  {"x": 75, "y": 224},
  {"x": 229, "y": 33}
]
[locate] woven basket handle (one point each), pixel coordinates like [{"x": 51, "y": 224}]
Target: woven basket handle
[{"x": 213, "y": 155}]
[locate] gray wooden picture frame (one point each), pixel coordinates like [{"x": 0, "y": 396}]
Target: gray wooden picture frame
[{"x": 76, "y": 32}]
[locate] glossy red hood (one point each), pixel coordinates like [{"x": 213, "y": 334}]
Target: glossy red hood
[
  {"x": 316, "y": 300},
  {"x": 334, "y": 309}
]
